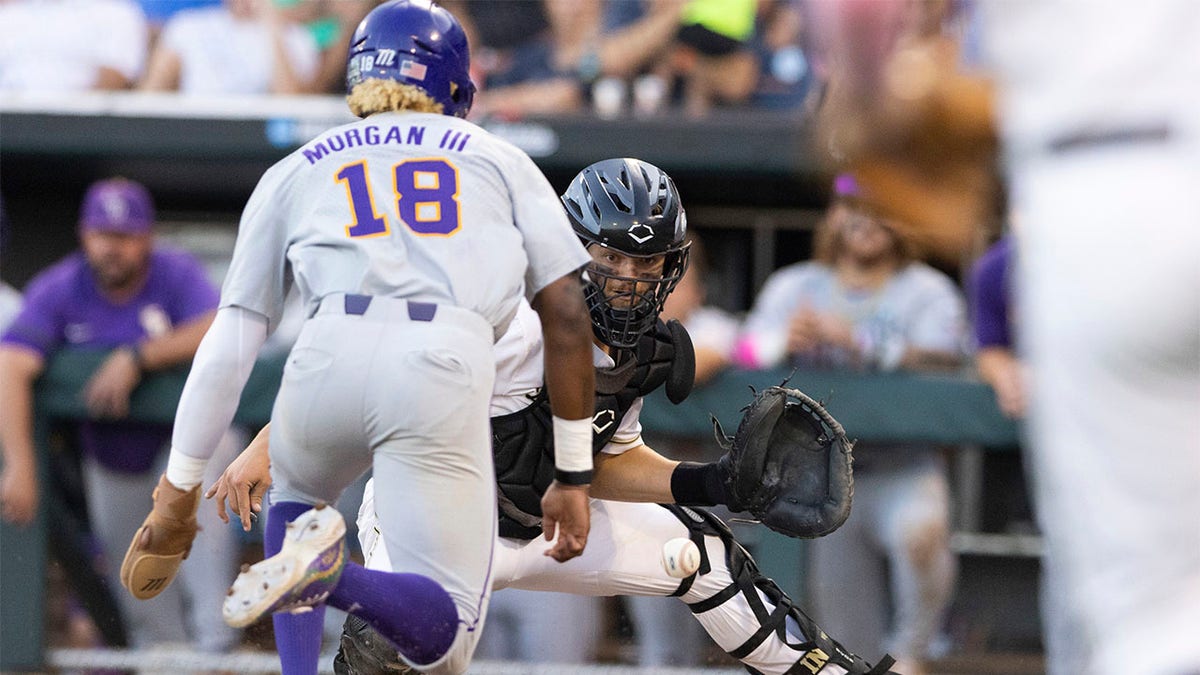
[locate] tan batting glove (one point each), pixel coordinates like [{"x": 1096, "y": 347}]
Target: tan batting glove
[{"x": 162, "y": 542}]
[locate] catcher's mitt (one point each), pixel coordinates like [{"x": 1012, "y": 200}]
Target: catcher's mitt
[
  {"x": 363, "y": 651},
  {"x": 789, "y": 464},
  {"x": 162, "y": 542}
]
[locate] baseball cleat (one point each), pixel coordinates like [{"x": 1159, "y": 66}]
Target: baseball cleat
[{"x": 301, "y": 575}]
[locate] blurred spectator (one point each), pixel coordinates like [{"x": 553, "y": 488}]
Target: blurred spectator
[
  {"x": 239, "y": 47},
  {"x": 786, "y": 77},
  {"x": 332, "y": 23},
  {"x": 713, "y": 54},
  {"x": 714, "y": 331},
  {"x": 991, "y": 288},
  {"x": 517, "y": 52},
  {"x": 10, "y": 298},
  {"x": 885, "y": 579},
  {"x": 71, "y": 45},
  {"x": 159, "y": 11},
  {"x": 650, "y": 44},
  {"x": 150, "y": 306}
]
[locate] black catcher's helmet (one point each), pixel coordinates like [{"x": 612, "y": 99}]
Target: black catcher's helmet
[{"x": 632, "y": 207}]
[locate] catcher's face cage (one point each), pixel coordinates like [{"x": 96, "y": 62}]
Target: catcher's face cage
[{"x": 623, "y": 308}]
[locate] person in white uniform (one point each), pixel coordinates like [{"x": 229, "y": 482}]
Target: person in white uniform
[
  {"x": 412, "y": 236},
  {"x": 629, "y": 214},
  {"x": 1098, "y": 113}
]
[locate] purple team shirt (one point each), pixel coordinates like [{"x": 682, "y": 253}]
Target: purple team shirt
[
  {"x": 63, "y": 309},
  {"x": 991, "y": 296}
]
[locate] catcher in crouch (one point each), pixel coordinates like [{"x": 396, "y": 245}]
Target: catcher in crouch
[{"x": 788, "y": 464}]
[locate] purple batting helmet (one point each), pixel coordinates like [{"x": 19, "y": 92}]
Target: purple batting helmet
[{"x": 414, "y": 42}]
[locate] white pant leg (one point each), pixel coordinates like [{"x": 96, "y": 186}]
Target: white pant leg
[
  {"x": 412, "y": 397},
  {"x": 623, "y": 557},
  {"x": 117, "y": 504},
  {"x": 1110, "y": 306}
]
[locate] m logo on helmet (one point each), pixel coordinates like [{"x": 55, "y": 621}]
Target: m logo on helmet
[{"x": 385, "y": 57}]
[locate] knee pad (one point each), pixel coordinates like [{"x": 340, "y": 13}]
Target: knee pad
[{"x": 814, "y": 653}]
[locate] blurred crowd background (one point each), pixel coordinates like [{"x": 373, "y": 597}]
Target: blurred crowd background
[{"x": 529, "y": 56}]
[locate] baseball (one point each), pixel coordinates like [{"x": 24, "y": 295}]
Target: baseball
[{"x": 680, "y": 557}]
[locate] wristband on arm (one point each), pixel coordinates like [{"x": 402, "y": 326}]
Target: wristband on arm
[
  {"x": 696, "y": 484},
  {"x": 572, "y": 451}
]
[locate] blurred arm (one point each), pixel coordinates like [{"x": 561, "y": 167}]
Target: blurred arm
[{"x": 19, "y": 368}]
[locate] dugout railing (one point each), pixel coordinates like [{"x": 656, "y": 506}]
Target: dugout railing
[{"x": 954, "y": 410}]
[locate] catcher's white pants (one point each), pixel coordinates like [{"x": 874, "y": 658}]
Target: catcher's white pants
[
  {"x": 622, "y": 557},
  {"x": 410, "y": 398},
  {"x": 1110, "y": 312}
]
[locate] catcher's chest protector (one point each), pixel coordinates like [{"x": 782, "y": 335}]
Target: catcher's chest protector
[{"x": 523, "y": 442}]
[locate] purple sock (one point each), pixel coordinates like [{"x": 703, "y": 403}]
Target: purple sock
[
  {"x": 297, "y": 636},
  {"x": 413, "y": 611}
]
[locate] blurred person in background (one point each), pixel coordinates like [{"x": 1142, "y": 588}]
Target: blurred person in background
[
  {"x": 71, "y": 45},
  {"x": 238, "y": 47},
  {"x": 159, "y": 11},
  {"x": 149, "y": 305},
  {"x": 713, "y": 54},
  {"x": 1097, "y": 111},
  {"x": 10, "y": 298},
  {"x": 787, "y": 78},
  {"x": 990, "y": 287},
  {"x": 866, "y": 303},
  {"x": 714, "y": 331},
  {"x": 517, "y": 54},
  {"x": 647, "y": 46},
  {"x": 331, "y": 23}
]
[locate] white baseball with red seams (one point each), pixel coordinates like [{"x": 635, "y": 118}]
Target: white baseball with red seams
[{"x": 680, "y": 557}]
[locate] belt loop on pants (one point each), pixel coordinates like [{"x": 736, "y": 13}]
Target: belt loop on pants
[
  {"x": 357, "y": 304},
  {"x": 421, "y": 311}
]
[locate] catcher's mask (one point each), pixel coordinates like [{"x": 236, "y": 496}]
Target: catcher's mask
[
  {"x": 414, "y": 42},
  {"x": 633, "y": 208}
]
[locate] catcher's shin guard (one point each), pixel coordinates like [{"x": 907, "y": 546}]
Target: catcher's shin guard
[{"x": 814, "y": 652}]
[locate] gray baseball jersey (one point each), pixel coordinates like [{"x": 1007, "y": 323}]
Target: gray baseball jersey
[
  {"x": 411, "y": 205},
  {"x": 411, "y": 238}
]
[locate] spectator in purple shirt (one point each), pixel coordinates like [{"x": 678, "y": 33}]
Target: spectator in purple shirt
[
  {"x": 150, "y": 305},
  {"x": 990, "y": 288}
]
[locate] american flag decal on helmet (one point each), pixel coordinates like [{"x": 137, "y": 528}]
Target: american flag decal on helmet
[{"x": 412, "y": 70}]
